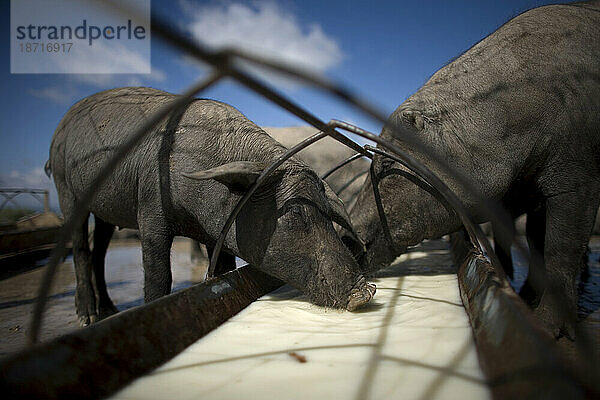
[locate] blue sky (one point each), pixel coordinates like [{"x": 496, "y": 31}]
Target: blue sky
[{"x": 383, "y": 50}]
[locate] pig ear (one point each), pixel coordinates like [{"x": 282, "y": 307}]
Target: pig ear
[
  {"x": 238, "y": 176},
  {"x": 338, "y": 212}
]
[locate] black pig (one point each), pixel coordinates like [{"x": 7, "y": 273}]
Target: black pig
[
  {"x": 518, "y": 114},
  {"x": 184, "y": 179}
]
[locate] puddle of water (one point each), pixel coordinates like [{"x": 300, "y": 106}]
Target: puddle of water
[{"x": 125, "y": 281}]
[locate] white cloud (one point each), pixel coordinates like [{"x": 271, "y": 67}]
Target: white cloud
[
  {"x": 266, "y": 30},
  {"x": 93, "y": 60},
  {"x": 97, "y": 80},
  {"x": 134, "y": 81},
  {"x": 97, "y": 58},
  {"x": 157, "y": 75},
  {"x": 34, "y": 178},
  {"x": 69, "y": 92},
  {"x": 106, "y": 80},
  {"x": 63, "y": 95}
]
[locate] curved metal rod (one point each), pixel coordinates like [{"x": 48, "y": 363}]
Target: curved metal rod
[
  {"x": 261, "y": 178},
  {"x": 422, "y": 174},
  {"x": 496, "y": 212},
  {"x": 475, "y": 233},
  {"x": 280, "y": 160},
  {"x": 409, "y": 174},
  {"x": 80, "y": 213},
  {"x": 343, "y": 163},
  {"x": 492, "y": 209},
  {"x": 351, "y": 181}
]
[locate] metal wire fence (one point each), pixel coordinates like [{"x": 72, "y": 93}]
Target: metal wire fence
[
  {"x": 8, "y": 194},
  {"x": 225, "y": 64}
]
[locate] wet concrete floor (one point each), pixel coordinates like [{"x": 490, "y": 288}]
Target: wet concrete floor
[{"x": 124, "y": 276}]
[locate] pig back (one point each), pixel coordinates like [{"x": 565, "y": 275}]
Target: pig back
[
  {"x": 203, "y": 135},
  {"x": 90, "y": 132}
]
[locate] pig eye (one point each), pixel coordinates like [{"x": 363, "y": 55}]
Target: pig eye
[
  {"x": 297, "y": 217},
  {"x": 296, "y": 210},
  {"x": 386, "y": 164}
]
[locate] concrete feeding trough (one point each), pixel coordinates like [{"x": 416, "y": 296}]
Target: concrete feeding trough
[{"x": 155, "y": 341}]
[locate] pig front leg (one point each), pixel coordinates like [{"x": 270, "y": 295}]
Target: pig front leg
[
  {"x": 569, "y": 220},
  {"x": 156, "y": 255}
]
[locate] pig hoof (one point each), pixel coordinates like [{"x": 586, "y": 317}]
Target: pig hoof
[
  {"x": 361, "y": 294},
  {"x": 86, "y": 320}
]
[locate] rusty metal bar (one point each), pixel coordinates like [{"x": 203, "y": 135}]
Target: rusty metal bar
[
  {"x": 96, "y": 361},
  {"x": 517, "y": 356}
]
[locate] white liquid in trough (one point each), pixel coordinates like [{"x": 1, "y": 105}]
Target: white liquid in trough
[{"x": 413, "y": 342}]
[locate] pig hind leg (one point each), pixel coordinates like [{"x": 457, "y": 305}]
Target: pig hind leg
[
  {"x": 85, "y": 298},
  {"x": 102, "y": 233},
  {"x": 502, "y": 246},
  {"x": 532, "y": 290}
]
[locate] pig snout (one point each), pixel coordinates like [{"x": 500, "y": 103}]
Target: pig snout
[{"x": 360, "y": 294}]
